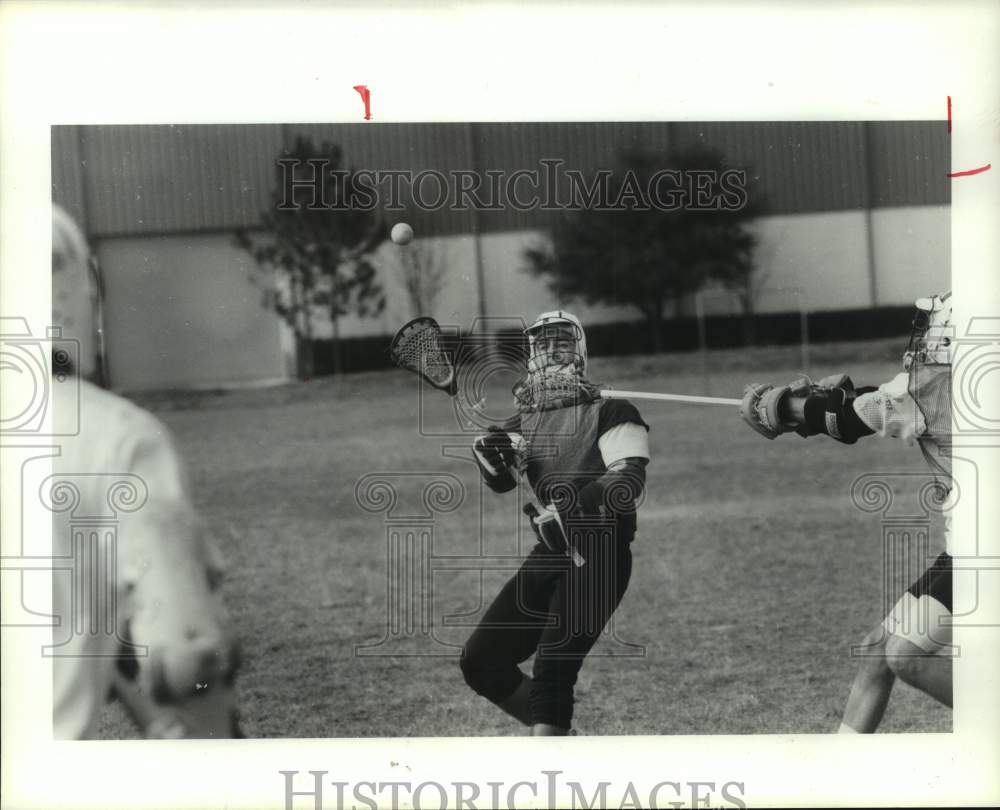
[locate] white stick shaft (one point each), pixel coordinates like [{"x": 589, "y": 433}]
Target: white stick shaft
[{"x": 613, "y": 394}]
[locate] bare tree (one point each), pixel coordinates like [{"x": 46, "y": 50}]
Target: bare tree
[{"x": 422, "y": 267}]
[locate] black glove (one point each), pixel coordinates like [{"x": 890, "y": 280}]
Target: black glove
[
  {"x": 494, "y": 452},
  {"x": 495, "y": 448}
]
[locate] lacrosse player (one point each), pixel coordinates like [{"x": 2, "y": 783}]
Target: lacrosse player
[
  {"x": 585, "y": 460},
  {"x": 913, "y": 406},
  {"x": 164, "y": 650}
]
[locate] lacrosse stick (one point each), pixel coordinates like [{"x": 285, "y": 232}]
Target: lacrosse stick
[
  {"x": 418, "y": 347},
  {"x": 607, "y": 393}
]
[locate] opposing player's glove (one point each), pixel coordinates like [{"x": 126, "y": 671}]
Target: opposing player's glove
[{"x": 763, "y": 406}]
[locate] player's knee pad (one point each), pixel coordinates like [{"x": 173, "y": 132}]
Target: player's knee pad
[
  {"x": 905, "y": 659},
  {"x": 491, "y": 679},
  {"x": 916, "y": 627}
]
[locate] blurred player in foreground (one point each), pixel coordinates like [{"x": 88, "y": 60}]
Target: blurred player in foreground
[
  {"x": 913, "y": 406},
  {"x": 586, "y": 460},
  {"x": 163, "y": 576}
]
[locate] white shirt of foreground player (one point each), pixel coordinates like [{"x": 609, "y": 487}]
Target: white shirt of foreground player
[
  {"x": 893, "y": 413},
  {"x": 116, "y": 440}
]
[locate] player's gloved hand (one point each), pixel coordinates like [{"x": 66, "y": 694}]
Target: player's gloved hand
[
  {"x": 765, "y": 407},
  {"x": 495, "y": 450},
  {"x": 550, "y": 529}
]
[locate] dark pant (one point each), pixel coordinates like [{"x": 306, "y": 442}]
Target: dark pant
[{"x": 554, "y": 609}]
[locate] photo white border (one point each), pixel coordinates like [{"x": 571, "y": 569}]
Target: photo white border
[{"x": 89, "y": 63}]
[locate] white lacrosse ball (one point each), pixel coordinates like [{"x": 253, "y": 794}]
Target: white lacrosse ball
[{"x": 402, "y": 234}]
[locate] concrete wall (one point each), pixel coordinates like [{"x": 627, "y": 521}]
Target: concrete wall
[{"x": 181, "y": 311}]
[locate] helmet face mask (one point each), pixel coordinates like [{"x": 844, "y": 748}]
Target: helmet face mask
[
  {"x": 557, "y": 361},
  {"x": 556, "y": 345},
  {"x": 930, "y": 336}
]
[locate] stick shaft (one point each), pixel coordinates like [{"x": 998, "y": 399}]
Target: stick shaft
[{"x": 610, "y": 394}]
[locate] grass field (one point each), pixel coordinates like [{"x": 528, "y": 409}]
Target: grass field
[{"x": 754, "y": 574}]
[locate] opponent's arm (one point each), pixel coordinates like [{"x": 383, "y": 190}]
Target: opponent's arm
[{"x": 809, "y": 409}]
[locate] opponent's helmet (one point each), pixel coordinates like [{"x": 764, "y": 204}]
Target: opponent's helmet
[
  {"x": 564, "y": 327},
  {"x": 74, "y": 292},
  {"x": 930, "y": 337},
  {"x": 928, "y": 361}
]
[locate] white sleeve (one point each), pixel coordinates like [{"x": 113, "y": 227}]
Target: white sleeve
[
  {"x": 627, "y": 440},
  {"x": 890, "y": 411},
  {"x": 166, "y": 531}
]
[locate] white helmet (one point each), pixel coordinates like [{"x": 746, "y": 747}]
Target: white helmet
[
  {"x": 562, "y": 324},
  {"x": 74, "y": 293},
  {"x": 930, "y": 338}
]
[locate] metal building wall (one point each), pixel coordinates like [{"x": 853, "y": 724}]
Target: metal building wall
[
  {"x": 910, "y": 161},
  {"x": 170, "y": 179},
  {"x": 146, "y": 180},
  {"x": 68, "y": 173}
]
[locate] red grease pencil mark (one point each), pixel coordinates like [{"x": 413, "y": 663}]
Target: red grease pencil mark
[
  {"x": 980, "y": 170},
  {"x": 968, "y": 172},
  {"x": 366, "y": 97}
]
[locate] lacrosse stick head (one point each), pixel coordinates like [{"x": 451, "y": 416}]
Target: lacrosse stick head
[{"x": 419, "y": 347}]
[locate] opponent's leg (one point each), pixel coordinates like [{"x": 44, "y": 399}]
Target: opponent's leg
[
  {"x": 920, "y": 624},
  {"x": 911, "y": 644},
  {"x": 583, "y": 602},
  {"x": 871, "y": 688},
  {"x": 508, "y": 634}
]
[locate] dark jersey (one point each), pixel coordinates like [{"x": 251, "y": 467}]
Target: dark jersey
[{"x": 562, "y": 443}]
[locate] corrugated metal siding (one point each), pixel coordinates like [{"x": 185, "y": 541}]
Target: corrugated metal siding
[
  {"x": 413, "y": 147},
  {"x": 159, "y": 179},
  {"x": 584, "y": 147},
  {"x": 910, "y": 163},
  {"x": 800, "y": 167},
  {"x": 68, "y": 172},
  {"x": 163, "y": 179}
]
